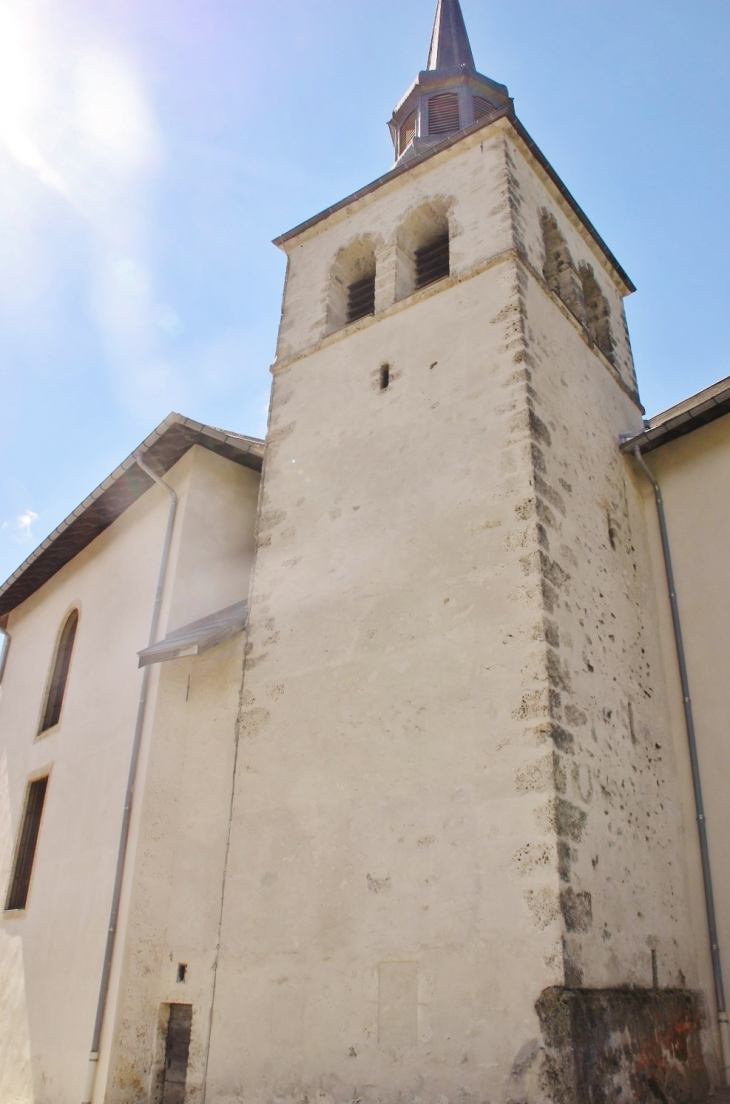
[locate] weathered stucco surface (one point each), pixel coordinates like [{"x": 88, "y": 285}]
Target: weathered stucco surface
[{"x": 450, "y": 795}]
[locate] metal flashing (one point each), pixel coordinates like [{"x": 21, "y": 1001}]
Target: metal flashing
[
  {"x": 161, "y": 449},
  {"x": 197, "y": 637},
  {"x": 691, "y": 414}
]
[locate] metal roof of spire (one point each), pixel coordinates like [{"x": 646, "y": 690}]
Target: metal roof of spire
[{"x": 450, "y": 47}]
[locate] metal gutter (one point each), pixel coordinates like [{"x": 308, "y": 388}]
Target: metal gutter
[
  {"x": 446, "y": 143},
  {"x": 93, "y": 1064},
  {"x": 4, "y": 652}
]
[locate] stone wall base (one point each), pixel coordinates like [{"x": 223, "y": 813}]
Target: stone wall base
[{"x": 623, "y": 1046}]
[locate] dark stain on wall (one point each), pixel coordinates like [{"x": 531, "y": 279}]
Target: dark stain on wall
[{"x": 605, "y": 1046}]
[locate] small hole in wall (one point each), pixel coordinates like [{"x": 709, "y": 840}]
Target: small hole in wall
[
  {"x": 384, "y": 377},
  {"x": 182, "y": 973}
]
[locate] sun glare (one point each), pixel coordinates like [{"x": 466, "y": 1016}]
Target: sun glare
[{"x": 20, "y": 96}]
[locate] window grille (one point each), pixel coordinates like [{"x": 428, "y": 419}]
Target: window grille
[
  {"x": 432, "y": 261},
  {"x": 443, "y": 113},
  {"x": 482, "y": 108},
  {"x": 361, "y": 298},
  {"x": 20, "y": 883},
  {"x": 59, "y": 678},
  {"x": 407, "y": 132}
]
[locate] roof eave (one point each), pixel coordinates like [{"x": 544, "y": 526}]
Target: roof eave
[
  {"x": 407, "y": 166},
  {"x": 669, "y": 427},
  {"x": 129, "y": 483}
]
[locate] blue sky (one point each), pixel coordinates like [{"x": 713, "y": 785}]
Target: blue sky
[{"x": 150, "y": 150}]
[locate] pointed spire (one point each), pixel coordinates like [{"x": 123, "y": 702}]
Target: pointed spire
[
  {"x": 450, "y": 47},
  {"x": 449, "y": 96}
]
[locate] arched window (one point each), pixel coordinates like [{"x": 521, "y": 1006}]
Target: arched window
[
  {"x": 424, "y": 248},
  {"x": 59, "y": 675},
  {"x": 598, "y": 312},
  {"x": 559, "y": 270},
  {"x": 352, "y": 285}
]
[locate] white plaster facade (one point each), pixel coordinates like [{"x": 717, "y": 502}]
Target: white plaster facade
[{"x": 51, "y": 953}]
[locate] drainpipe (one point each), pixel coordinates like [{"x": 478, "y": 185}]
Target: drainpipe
[
  {"x": 4, "y": 652},
  {"x": 126, "y": 819},
  {"x": 722, "y": 1017}
]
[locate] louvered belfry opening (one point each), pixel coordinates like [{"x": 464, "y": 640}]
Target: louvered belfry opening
[
  {"x": 482, "y": 108},
  {"x": 432, "y": 261},
  {"x": 20, "y": 883},
  {"x": 361, "y": 298},
  {"x": 443, "y": 113},
  {"x": 407, "y": 132},
  {"x": 59, "y": 678}
]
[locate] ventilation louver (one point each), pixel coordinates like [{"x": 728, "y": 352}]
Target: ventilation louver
[
  {"x": 432, "y": 261},
  {"x": 407, "y": 132},
  {"x": 482, "y": 108},
  {"x": 443, "y": 113},
  {"x": 361, "y": 298}
]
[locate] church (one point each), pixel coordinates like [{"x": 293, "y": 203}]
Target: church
[{"x": 382, "y": 761}]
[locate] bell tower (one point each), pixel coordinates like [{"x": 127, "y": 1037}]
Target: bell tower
[{"x": 453, "y": 869}]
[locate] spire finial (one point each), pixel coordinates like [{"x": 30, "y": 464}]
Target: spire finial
[{"x": 450, "y": 47}]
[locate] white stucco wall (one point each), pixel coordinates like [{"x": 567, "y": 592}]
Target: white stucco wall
[
  {"x": 693, "y": 473},
  {"x": 51, "y": 955}
]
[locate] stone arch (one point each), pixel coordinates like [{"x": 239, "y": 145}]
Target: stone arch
[
  {"x": 598, "y": 312},
  {"x": 352, "y": 284},
  {"x": 559, "y": 270},
  {"x": 424, "y": 247}
]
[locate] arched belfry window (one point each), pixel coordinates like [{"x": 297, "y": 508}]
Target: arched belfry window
[
  {"x": 425, "y": 248},
  {"x": 598, "y": 312},
  {"x": 59, "y": 674},
  {"x": 352, "y": 284},
  {"x": 559, "y": 270}
]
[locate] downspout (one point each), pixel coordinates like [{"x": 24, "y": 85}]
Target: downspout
[
  {"x": 126, "y": 819},
  {"x": 4, "y": 652},
  {"x": 722, "y": 1017}
]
